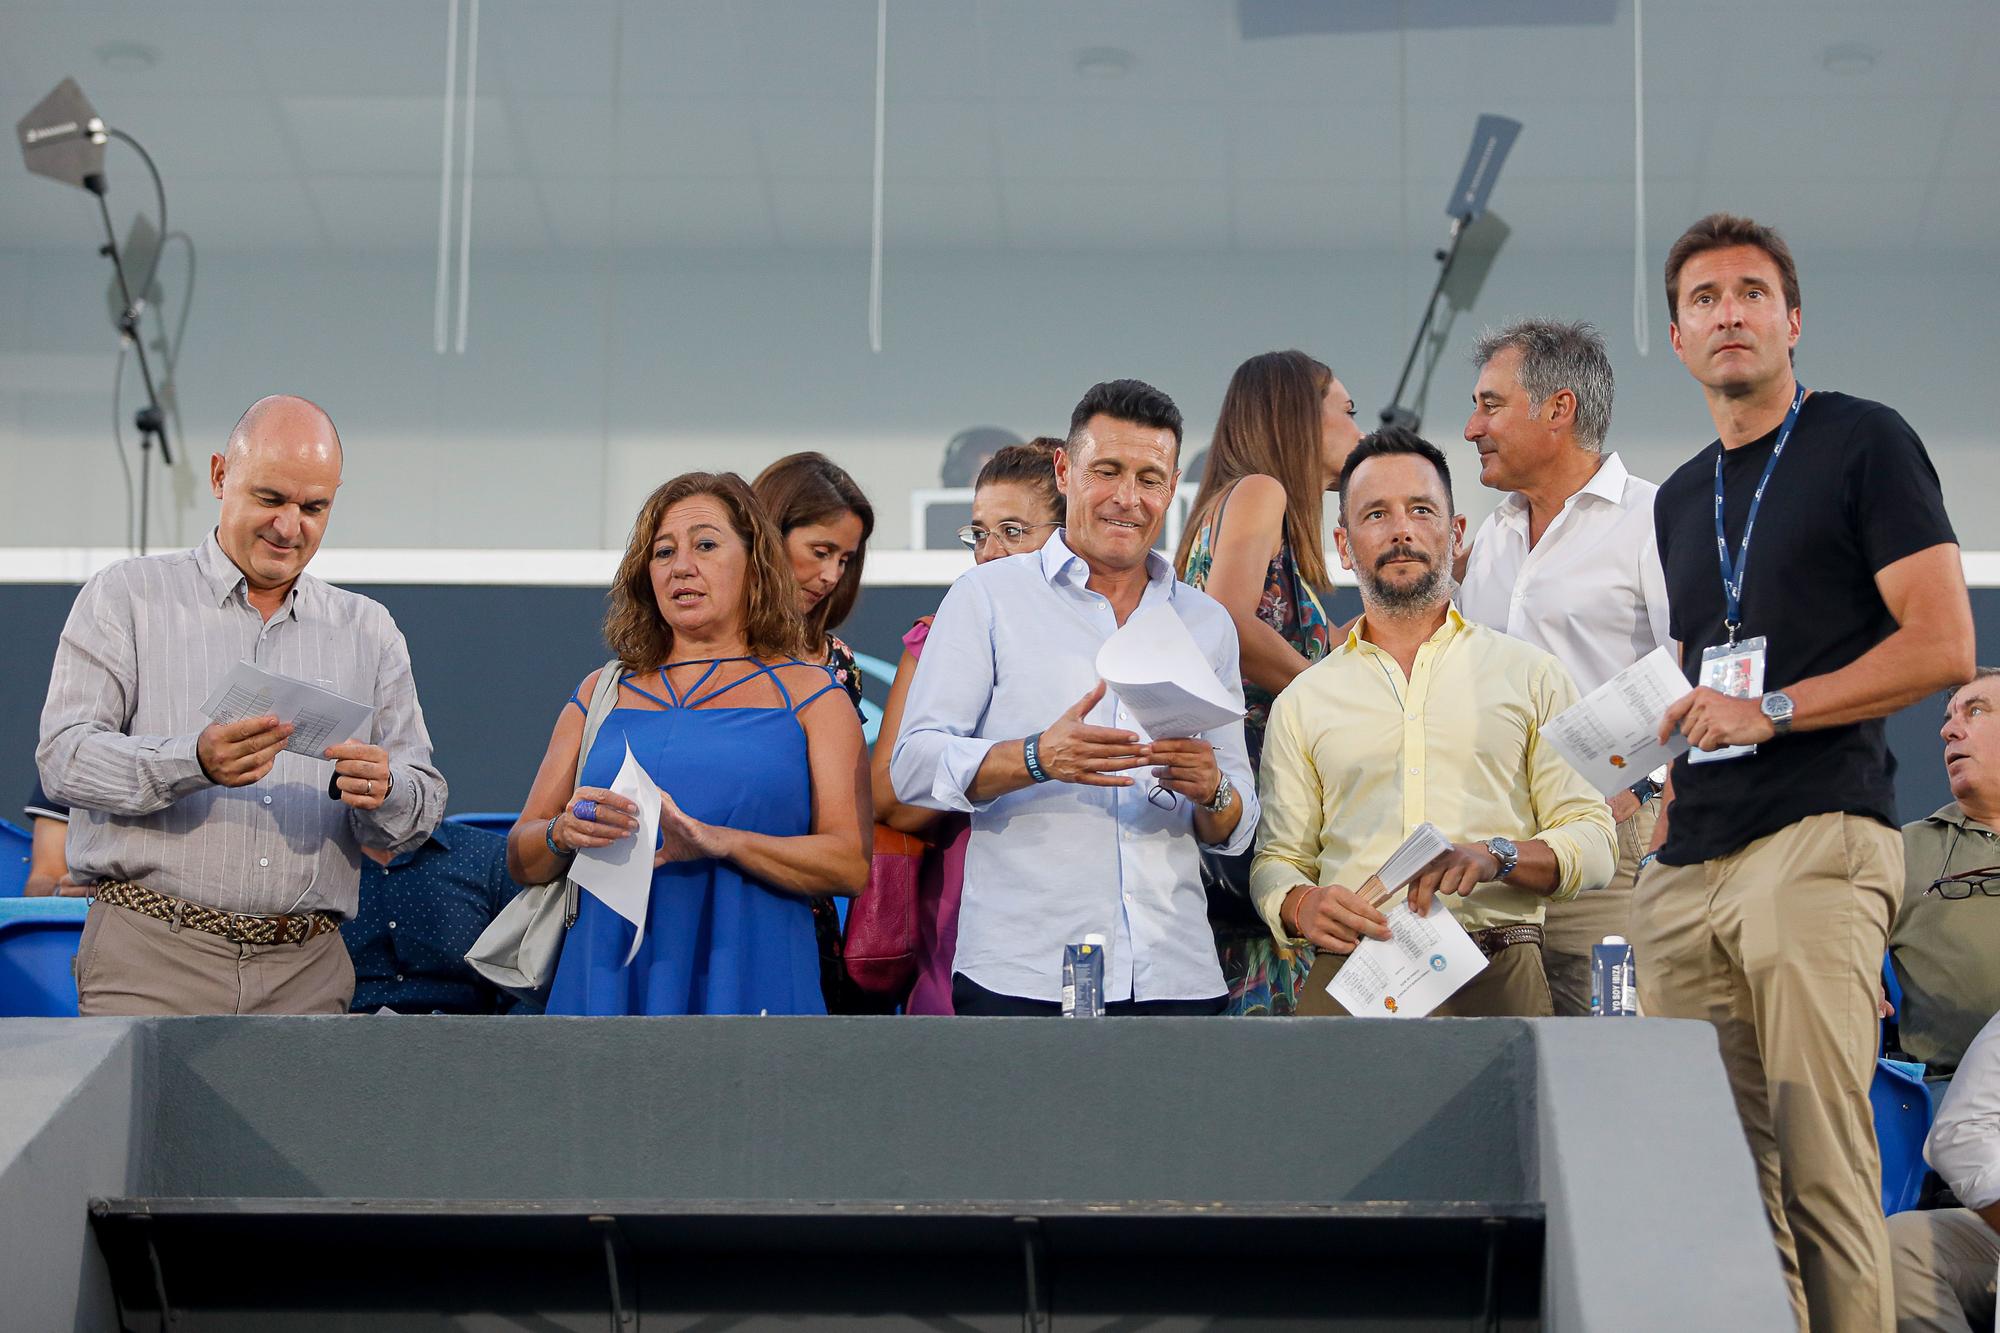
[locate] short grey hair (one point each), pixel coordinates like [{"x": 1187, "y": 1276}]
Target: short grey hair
[{"x": 1554, "y": 356}]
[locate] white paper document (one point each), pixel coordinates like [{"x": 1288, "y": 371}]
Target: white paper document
[
  {"x": 1158, "y": 672},
  {"x": 621, "y": 875},
  {"x": 1425, "y": 844},
  {"x": 1422, "y": 964},
  {"x": 319, "y": 717},
  {"x": 1612, "y": 734}
]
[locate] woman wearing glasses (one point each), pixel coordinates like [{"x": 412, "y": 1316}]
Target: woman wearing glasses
[
  {"x": 1254, "y": 543},
  {"x": 1015, "y": 506}
]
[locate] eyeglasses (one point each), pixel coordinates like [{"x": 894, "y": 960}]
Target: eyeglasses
[
  {"x": 1986, "y": 880},
  {"x": 1160, "y": 798},
  {"x": 1007, "y": 534}
]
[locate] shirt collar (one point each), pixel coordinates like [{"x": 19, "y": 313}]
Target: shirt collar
[
  {"x": 1953, "y": 813},
  {"x": 1060, "y": 562},
  {"x": 224, "y": 578},
  {"x": 1607, "y": 483},
  {"x": 1454, "y": 623}
]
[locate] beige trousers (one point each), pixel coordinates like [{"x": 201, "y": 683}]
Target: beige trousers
[
  {"x": 1512, "y": 986},
  {"x": 1946, "y": 1261},
  {"x": 129, "y": 964},
  {"x": 1574, "y": 928},
  {"x": 1779, "y": 945}
]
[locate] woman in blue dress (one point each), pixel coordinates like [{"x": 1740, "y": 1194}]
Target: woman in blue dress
[{"x": 758, "y": 756}]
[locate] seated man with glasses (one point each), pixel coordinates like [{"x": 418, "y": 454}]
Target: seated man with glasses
[
  {"x": 1946, "y": 944},
  {"x": 1078, "y": 827}
]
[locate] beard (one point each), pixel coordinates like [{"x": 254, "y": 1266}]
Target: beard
[{"x": 1420, "y": 594}]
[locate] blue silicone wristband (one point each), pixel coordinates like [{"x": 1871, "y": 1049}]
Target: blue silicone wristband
[{"x": 1031, "y": 757}]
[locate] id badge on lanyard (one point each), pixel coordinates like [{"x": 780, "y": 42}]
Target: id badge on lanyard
[{"x": 1737, "y": 670}]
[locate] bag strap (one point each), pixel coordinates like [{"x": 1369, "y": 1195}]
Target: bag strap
[{"x": 602, "y": 699}]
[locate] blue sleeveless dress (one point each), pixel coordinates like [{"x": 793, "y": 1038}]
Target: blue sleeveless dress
[{"x": 716, "y": 942}]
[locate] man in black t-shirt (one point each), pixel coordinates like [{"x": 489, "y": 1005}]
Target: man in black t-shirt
[{"x": 1778, "y": 870}]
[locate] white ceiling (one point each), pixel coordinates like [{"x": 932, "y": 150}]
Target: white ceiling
[{"x": 316, "y": 124}]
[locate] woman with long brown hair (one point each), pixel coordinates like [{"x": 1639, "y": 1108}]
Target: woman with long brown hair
[
  {"x": 1254, "y": 543},
  {"x": 764, "y": 788},
  {"x": 824, "y": 522}
]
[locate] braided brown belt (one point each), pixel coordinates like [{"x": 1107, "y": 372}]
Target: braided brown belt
[
  {"x": 1495, "y": 938},
  {"x": 232, "y": 926}
]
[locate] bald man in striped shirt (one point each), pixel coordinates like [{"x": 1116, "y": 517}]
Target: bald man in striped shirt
[{"x": 223, "y": 861}]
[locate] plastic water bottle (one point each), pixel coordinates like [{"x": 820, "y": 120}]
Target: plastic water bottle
[
  {"x": 1612, "y": 993},
  {"x": 1083, "y": 978}
]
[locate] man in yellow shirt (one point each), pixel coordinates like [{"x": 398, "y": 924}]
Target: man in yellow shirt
[{"x": 1422, "y": 716}]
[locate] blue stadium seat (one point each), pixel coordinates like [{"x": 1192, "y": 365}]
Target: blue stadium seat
[
  {"x": 15, "y": 845},
  {"x": 38, "y": 939},
  {"x": 1902, "y": 1105},
  {"x": 493, "y": 821}
]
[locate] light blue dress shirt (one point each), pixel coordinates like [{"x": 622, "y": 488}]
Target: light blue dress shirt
[{"x": 1014, "y": 645}]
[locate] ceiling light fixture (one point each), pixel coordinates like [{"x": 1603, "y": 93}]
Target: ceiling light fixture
[
  {"x": 1848, "y": 58},
  {"x": 1103, "y": 62},
  {"x": 126, "y": 57}
]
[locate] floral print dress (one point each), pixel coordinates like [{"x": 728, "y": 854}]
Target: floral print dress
[{"x": 1263, "y": 976}]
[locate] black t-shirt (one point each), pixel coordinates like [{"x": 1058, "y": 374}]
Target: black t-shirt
[{"x": 1853, "y": 493}]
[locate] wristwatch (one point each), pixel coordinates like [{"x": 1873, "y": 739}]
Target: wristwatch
[
  {"x": 1646, "y": 788},
  {"x": 1224, "y": 795},
  {"x": 1506, "y": 853},
  {"x": 1777, "y": 706}
]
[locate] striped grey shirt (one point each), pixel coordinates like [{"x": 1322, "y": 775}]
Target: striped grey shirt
[{"x": 146, "y": 643}]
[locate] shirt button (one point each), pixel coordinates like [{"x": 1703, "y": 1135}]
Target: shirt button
[
  {"x": 399, "y": 976},
  {"x": 1409, "y": 717},
  {"x": 392, "y": 925},
  {"x": 264, "y": 861},
  {"x": 267, "y": 800},
  {"x": 1413, "y": 772}
]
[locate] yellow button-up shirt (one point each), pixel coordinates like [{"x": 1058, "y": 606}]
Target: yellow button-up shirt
[{"x": 1356, "y": 757}]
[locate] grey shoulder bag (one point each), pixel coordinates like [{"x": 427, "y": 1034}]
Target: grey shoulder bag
[{"x": 519, "y": 950}]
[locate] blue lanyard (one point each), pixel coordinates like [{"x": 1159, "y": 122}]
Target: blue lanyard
[{"x": 1732, "y": 574}]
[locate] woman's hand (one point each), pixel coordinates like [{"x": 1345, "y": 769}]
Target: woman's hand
[
  {"x": 595, "y": 817},
  {"x": 685, "y": 838}
]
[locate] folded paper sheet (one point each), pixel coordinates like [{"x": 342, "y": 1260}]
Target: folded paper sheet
[
  {"x": 1158, "y": 672},
  {"x": 1612, "y": 734},
  {"x": 319, "y": 717},
  {"x": 621, "y": 875}
]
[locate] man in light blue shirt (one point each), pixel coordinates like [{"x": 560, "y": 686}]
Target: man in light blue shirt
[{"x": 1079, "y": 825}]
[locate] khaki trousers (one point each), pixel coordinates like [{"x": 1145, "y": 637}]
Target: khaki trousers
[
  {"x": 1946, "y": 1262},
  {"x": 1512, "y": 986},
  {"x": 1779, "y": 945},
  {"x": 130, "y": 965},
  {"x": 1572, "y": 929}
]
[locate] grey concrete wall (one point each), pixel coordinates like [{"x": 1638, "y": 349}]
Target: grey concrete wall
[
  {"x": 71, "y": 1099},
  {"x": 1625, "y": 1218},
  {"x": 1624, "y": 1130}
]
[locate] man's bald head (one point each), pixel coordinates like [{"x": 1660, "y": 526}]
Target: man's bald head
[
  {"x": 285, "y": 421},
  {"x": 276, "y": 477}
]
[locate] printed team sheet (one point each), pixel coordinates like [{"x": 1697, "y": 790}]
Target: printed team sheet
[
  {"x": 1158, "y": 672},
  {"x": 1611, "y": 735},
  {"x": 319, "y": 717},
  {"x": 1422, "y": 964}
]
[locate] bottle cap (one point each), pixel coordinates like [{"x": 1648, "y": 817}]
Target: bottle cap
[
  {"x": 1094, "y": 939},
  {"x": 1614, "y": 939}
]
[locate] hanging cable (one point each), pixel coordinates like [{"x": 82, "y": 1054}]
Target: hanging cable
[
  {"x": 159, "y": 193},
  {"x": 881, "y": 125},
  {"x": 118, "y": 444},
  {"x": 465, "y": 197},
  {"x": 1641, "y": 316},
  {"x": 444, "y": 173}
]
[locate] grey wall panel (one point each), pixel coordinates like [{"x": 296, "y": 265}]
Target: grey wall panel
[{"x": 494, "y": 665}]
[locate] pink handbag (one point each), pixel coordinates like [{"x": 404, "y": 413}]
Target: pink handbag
[{"x": 880, "y": 945}]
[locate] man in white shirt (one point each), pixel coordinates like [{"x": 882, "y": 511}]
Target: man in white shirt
[
  {"x": 1946, "y": 1259},
  {"x": 1569, "y": 563}
]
